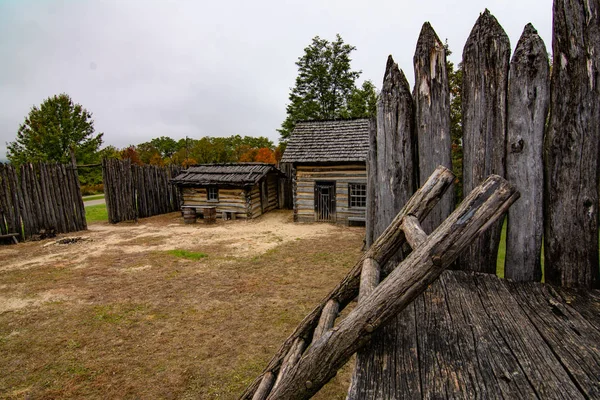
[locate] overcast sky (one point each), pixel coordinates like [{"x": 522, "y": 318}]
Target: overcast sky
[{"x": 209, "y": 68}]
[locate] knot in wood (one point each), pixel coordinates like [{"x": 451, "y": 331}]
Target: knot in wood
[
  {"x": 437, "y": 260},
  {"x": 369, "y": 328}
]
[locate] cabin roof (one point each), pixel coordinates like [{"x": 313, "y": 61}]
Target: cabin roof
[
  {"x": 328, "y": 141},
  {"x": 238, "y": 174}
]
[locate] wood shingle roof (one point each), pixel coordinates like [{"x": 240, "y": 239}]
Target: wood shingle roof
[
  {"x": 328, "y": 141},
  {"x": 238, "y": 174}
]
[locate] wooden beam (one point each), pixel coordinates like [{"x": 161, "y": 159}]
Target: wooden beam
[
  {"x": 414, "y": 233},
  {"x": 388, "y": 243},
  {"x": 327, "y": 319},
  {"x": 484, "y": 205}
]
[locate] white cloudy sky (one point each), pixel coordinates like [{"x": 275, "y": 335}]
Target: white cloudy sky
[{"x": 198, "y": 68}]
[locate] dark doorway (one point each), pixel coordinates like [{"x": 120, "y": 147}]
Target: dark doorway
[{"x": 325, "y": 201}]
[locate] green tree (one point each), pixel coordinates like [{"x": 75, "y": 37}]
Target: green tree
[
  {"x": 456, "y": 133},
  {"x": 50, "y": 130},
  {"x": 362, "y": 102},
  {"x": 324, "y": 83}
]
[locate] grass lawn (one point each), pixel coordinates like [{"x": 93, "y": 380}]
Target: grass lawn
[
  {"x": 96, "y": 213},
  {"x": 93, "y": 197},
  {"x": 161, "y": 310}
]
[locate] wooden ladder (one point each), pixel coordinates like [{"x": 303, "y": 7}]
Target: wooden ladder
[{"x": 314, "y": 352}]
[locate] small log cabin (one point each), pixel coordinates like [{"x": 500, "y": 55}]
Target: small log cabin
[
  {"x": 329, "y": 173},
  {"x": 241, "y": 190}
]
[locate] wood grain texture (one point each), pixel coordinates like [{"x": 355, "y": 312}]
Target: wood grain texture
[
  {"x": 486, "y": 58},
  {"x": 388, "y": 243},
  {"x": 431, "y": 96},
  {"x": 572, "y": 145},
  {"x": 482, "y": 207},
  {"x": 528, "y": 101}
]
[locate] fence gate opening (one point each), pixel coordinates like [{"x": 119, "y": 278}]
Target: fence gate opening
[{"x": 325, "y": 201}]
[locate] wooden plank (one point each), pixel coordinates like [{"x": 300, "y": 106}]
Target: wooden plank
[
  {"x": 482, "y": 207},
  {"x": 572, "y": 145},
  {"x": 432, "y": 116},
  {"x": 485, "y": 64},
  {"x": 572, "y": 338},
  {"x": 528, "y": 101}
]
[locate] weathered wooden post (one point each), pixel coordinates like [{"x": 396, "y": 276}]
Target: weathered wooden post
[
  {"x": 432, "y": 254},
  {"x": 528, "y": 100},
  {"x": 486, "y": 59},
  {"x": 382, "y": 250},
  {"x": 571, "y": 147},
  {"x": 431, "y": 96},
  {"x": 392, "y": 176},
  {"x": 392, "y": 165}
]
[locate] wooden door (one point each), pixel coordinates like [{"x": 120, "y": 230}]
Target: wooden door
[{"x": 325, "y": 201}]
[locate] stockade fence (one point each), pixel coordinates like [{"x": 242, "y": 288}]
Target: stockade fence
[
  {"x": 133, "y": 191},
  {"x": 40, "y": 197}
]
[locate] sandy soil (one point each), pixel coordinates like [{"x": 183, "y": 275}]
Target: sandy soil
[{"x": 240, "y": 238}]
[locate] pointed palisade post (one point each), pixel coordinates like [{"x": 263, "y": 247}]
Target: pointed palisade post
[
  {"x": 572, "y": 145},
  {"x": 480, "y": 210},
  {"x": 379, "y": 253},
  {"x": 432, "y": 116},
  {"x": 528, "y": 100},
  {"x": 486, "y": 59},
  {"x": 392, "y": 173}
]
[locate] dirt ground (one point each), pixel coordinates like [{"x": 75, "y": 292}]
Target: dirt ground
[{"x": 116, "y": 314}]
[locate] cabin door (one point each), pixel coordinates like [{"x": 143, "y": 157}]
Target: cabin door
[{"x": 325, "y": 201}]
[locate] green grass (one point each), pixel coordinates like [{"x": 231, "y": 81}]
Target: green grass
[
  {"x": 96, "y": 213},
  {"x": 502, "y": 254},
  {"x": 190, "y": 255},
  {"x": 93, "y": 197}
]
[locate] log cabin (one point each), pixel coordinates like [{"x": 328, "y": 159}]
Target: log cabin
[
  {"x": 329, "y": 173},
  {"x": 241, "y": 190}
]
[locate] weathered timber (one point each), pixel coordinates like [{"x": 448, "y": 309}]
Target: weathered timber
[
  {"x": 414, "y": 233},
  {"x": 133, "y": 191},
  {"x": 327, "y": 319},
  {"x": 388, "y": 243},
  {"x": 486, "y": 58},
  {"x": 369, "y": 277},
  {"x": 394, "y": 164},
  {"x": 265, "y": 387},
  {"x": 482, "y": 207},
  {"x": 573, "y": 339},
  {"x": 572, "y": 145},
  {"x": 431, "y": 96},
  {"x": 528, "y": 100},
  {"x": 292, "y": 357},
  {"x": 395, "y": 175}
]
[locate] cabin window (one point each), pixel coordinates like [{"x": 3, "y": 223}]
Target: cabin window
[
  {"x": 357, "y": 195},
  {"x": 212, "y": 193}
]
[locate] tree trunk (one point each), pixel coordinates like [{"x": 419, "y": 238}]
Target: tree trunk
[
  {"x": 528, "y": 100},
  {"x": 432, "y": 116},
  {"x": 571, "y": 147},
  {"x": 486, "y": 59},
  {"x": 393, "y": 169}
]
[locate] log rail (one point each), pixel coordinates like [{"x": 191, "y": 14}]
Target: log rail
[{"x": 301, "y": 373}]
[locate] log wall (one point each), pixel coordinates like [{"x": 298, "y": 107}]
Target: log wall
[
  {"x": 40, "y": 196},
  {"x": 231, "y": 200},
  {"x": 133, "y": 191},
  {"x": 342, "y": 175},
  {"x": 244, "y": 203}
]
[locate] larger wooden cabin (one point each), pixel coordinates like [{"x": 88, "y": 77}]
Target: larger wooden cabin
[
  {"x": 242, "y": 190},
  {"x": 329, "y": 173}
]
